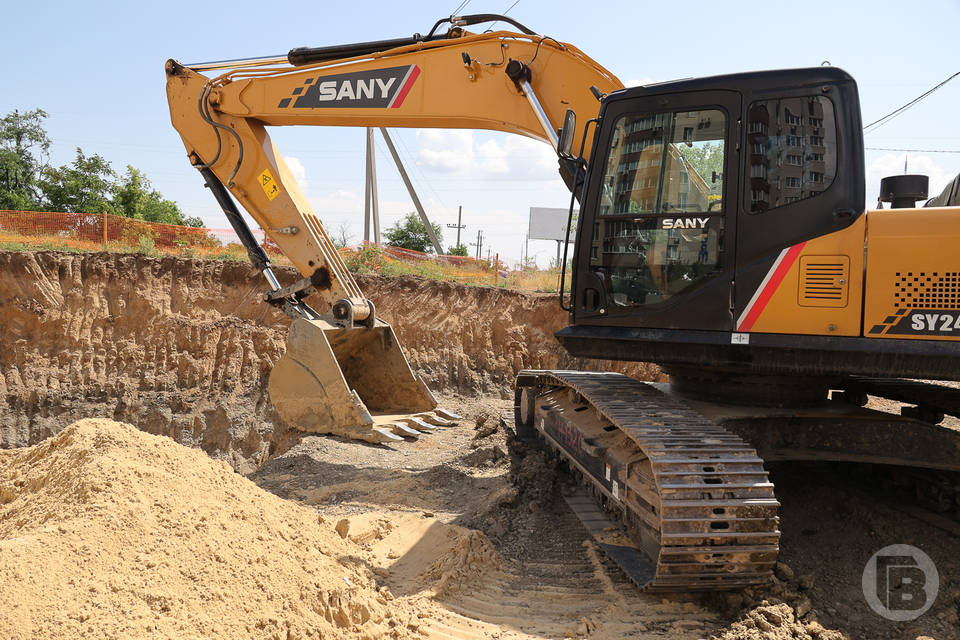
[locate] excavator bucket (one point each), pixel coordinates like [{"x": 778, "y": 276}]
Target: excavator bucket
[{"x": 349, "y": 382}]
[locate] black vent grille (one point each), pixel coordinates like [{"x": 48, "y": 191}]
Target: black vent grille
[{"x": 922, "y": 290}]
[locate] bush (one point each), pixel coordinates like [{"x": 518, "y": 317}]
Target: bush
[
  {"x": 369, "y": 259},
  {"x": 146, "y": 246}
]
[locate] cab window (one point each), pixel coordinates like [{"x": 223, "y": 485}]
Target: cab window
[
  {"x": 659, "y": 220},
  {"x": 792, "y": 146}
]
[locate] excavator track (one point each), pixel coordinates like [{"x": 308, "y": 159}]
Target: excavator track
[{"x": 697, "y": 507}]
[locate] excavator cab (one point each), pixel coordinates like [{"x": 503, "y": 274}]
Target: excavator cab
[{"x": 696, "y": 185}]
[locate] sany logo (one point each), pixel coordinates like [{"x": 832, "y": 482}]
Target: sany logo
[
  {"x": 327, "y": 90},
  {"x": 377, "y": 88},
  {"x": 685, "y": 223}
]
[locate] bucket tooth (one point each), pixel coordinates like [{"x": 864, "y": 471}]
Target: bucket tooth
[
  {"x": 423, "y": 425},
  {"x": 331, "y": 378},
  {"x": 382, "y": 434},
  {"x": 449, "y": 415},
  {"x": 403, "y": 430},
  {"x": 436, "y": 420}
]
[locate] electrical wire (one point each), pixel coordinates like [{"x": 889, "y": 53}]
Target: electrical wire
[
  {"x": 876, "y": 124},
  {"x": 460, "y": 7},
  {"x": 914, "y": 150},
  {"x": 490, "y": 28}
]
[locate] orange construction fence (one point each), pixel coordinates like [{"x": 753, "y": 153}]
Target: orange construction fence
[{"x": 107, "y": 232}]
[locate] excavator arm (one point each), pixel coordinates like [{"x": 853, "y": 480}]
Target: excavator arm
[{"x": 344, "y": 371}]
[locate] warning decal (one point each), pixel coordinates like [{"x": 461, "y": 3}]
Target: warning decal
[{"x": 269, "y": 185}]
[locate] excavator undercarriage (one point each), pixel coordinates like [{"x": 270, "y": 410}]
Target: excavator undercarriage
[{"x": 674, "y": 488}]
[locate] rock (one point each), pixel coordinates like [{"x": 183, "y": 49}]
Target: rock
[
  {"x": 343, "y": 527},
  {"x": 803, "y": 606},
  {"x": 485, "y": 430},
  {"x": 773, "y": 616},
  {"x": 506, "y": 497},
  {"x": 783, "y": 572},
  {"x": 805, "y": 581}
]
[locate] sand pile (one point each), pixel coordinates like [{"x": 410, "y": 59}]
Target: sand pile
[{"x": 108, "y": 532}]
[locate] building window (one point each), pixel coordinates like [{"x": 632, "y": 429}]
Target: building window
[
  {"x": 816, "y": 157},
  {"x": 793, "y": 141},
  {"x": 789, "y": 118},
  {"x": 794, "y": 159},
  {"x": 815, "y": 122},
  {"x": 816, "y": 141},
  {"x": 792, "y": 183},
  {"x": 816, "y": 176}
]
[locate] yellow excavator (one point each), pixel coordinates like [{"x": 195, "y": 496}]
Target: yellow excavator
[{"x": 722, "y": 235}]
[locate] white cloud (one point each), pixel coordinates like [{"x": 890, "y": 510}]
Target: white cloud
[
  {"x": 459, "y": 152},
  {"x": 446, "y": 150},
  {"x": 299, "y": 173},
  {"x": 892, "y": 165}
]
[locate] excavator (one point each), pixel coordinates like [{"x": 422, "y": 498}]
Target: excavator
[{"x": 722, "y": 235}]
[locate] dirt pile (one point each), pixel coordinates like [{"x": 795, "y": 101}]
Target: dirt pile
[
  {"x": 184, "y": 347},
  {"x": 108, "y": 532},
  {"x": 776, "y": 622}
]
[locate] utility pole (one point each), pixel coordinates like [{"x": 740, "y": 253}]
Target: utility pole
[
  {"x": 458, "y": 226},
  {"x": 413, "y": 193},
  {"x": 479, "y": 243},
  {"x": 370, "y": 203}
]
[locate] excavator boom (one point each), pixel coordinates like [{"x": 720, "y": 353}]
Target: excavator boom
[{"x": 344, "y": 371}]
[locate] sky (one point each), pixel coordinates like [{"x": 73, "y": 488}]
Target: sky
[{"x": 97, "y": 69}]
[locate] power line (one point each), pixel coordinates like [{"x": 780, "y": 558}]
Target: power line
[
  {"x": 490, "y": 28},
  {"x": 876, "y": 124},
  {"x": 460, "y": 7},
  {"x": 914, "y": 150}
]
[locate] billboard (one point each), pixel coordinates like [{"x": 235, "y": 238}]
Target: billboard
[{"x": 550, "y": 223}]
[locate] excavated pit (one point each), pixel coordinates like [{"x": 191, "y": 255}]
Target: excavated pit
[
  {"x": 184, "y": 348},
  {"x": 456, "y": 535}
]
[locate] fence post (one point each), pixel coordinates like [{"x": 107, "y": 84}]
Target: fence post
[
  {"x": 496, "y": 269},
  {"x": 104, "y": 229}
]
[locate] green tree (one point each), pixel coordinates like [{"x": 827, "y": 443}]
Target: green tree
[
  {"x": 135, "y": 197},
  {"x": 86, "y": 185},
  {"x": 24, "y": 148},
  {"x": 706, "y": 159},
  {"x": 83, "y": 186},
  {"x": 411, "y": 233},
  {"x": 459, "y": 250}
]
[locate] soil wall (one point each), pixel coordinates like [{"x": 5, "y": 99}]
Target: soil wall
[{"x": 184, "y": 347}]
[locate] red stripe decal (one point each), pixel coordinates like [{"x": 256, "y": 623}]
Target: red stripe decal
[
  {"x": 405, "y": 89},
  {"x": 771, "y": 287}
]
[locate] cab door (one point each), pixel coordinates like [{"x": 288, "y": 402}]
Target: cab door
[
  {"x": 656, "y": 240},
  {"x": 804, "y": 178}
]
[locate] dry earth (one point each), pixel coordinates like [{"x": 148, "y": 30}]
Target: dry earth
[
  {"x": 183, "y": 347},
  {"x": 109, "y": 532}
]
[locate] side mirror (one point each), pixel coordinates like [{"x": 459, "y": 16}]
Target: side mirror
[{"x": 565, "y": 142}]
